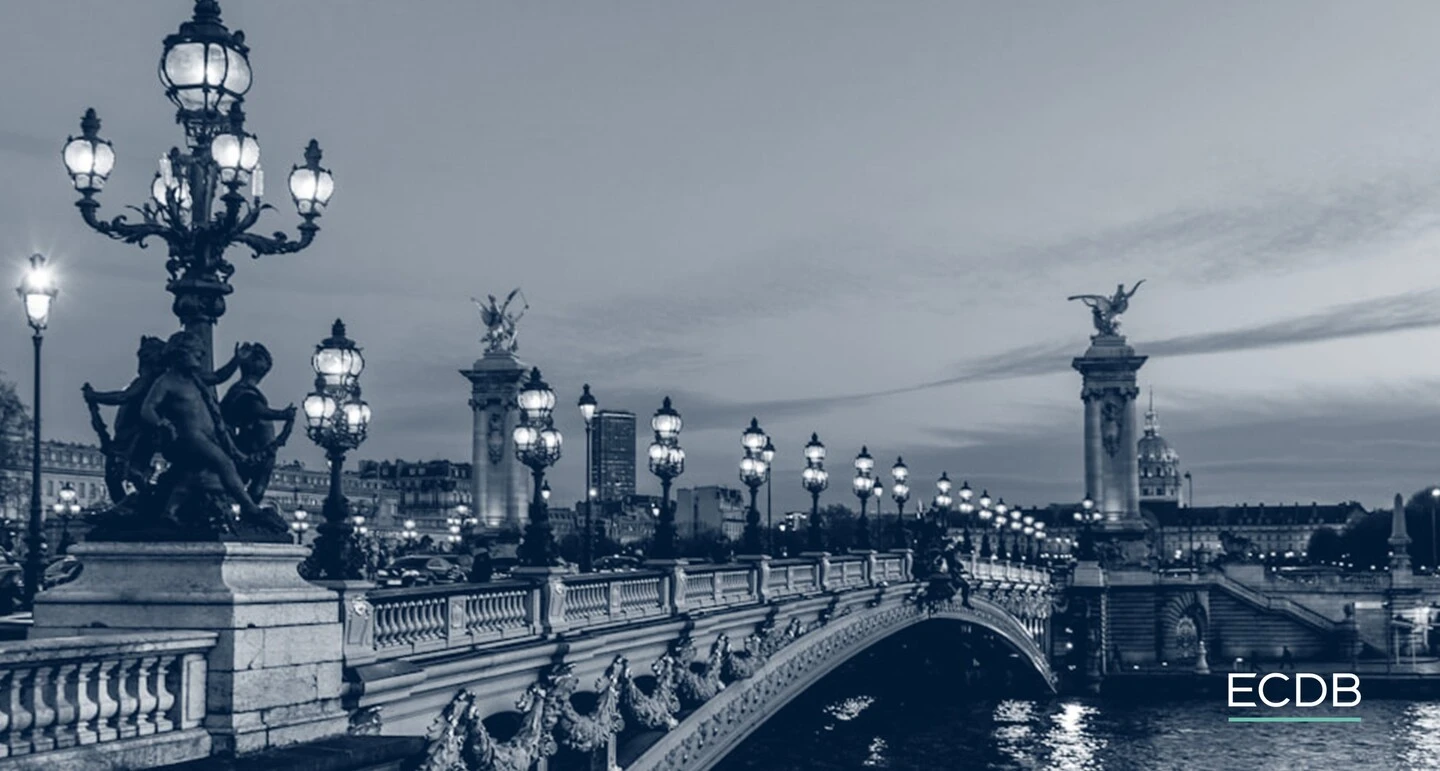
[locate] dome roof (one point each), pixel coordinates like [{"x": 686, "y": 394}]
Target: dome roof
[{"x": 1153, "y": 447}]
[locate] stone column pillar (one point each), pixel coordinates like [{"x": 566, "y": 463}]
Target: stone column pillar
[
  {"x": 499, "y": 492},
  {"x": 1112, "y": 464}
]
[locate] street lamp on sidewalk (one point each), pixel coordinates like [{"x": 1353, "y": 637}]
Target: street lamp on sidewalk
[
  {"x": 537, "y": 445},
  {"x": 864, "y": 486},
  {"x": 667, "y": 461},
  {"x": 815, "y": 479},
  {"x": 588, "y": 407},
  {"x": 337, "y": 420},
  {"x": 767, "y": 454},
  {"x": 754, "y": 471},
  {"x": 900, "y": 491},
  {"x": 37, "y": 291}
]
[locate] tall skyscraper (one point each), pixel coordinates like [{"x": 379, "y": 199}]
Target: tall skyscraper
[{"x": 612, "y": 452}]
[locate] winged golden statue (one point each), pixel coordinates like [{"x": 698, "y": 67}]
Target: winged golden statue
[
  {"x": 500, "y": 322},
  {"x": 1105, "y": 310}
]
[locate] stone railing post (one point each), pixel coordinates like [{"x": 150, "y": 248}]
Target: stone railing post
[
  {"x": 677, "y": 588},
  {"x": 907, "y": 564},
  {"x": 612, "y": 596},
  {"x": 870, "y": 577},
  {"x": 549, "y": 607},
  {"x": 822, "y": 568},
  {"x": 759, "y": 575},
  {"x": 358, "y": 618}
]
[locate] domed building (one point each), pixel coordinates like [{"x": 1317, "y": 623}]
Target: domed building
[{"x": 1159, "y": 463}]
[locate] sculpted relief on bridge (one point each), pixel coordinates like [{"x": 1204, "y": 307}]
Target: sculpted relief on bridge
[{"x": 707, "y": 706}]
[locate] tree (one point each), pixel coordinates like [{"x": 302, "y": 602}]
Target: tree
[
  {"x": 1325, "y": 545},
  {"x": 15, "y": 429}
]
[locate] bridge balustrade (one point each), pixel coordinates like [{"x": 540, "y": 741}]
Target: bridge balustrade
[
  {"x": 115, "y": 690},
  {"x": 421, "y": 620}
]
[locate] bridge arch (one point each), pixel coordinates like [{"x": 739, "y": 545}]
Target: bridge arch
[{"x": 717, "y": 726}]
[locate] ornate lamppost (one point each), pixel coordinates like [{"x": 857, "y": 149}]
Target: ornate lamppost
[
  {"x": 966, "y": 510},
  {"x": 537, "y": 445},
  {"x": 754, "y": 471},
  {"x": 336, "y": 419},
  {"x": 37, "y": 291},
  {"x": 1087, "y": 516},
  {"x": 984, "y": 514},
  {"x": 900, "y": 492},
  {"x": 197, "y": 207},
  {"x": 767, "y": 454},
  {"x": 864, "y": 486},
  {"x": 299, "y": 526},
  {"x": 815, "y": 479},
  {"x": 667, "y": 461},
  {"x": 588, "y": 407},
  {"x": 941, "y": 503},
  {"x": 66, "y": 508}
]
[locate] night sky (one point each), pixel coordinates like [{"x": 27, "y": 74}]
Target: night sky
[{"x": 856, "y": 218}]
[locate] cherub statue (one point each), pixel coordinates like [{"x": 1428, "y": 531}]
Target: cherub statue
[
  {"x": 129, "y": 454},
  {"x": 500, "y": 323},
  {"x": 1105, "y": 310},
  {"x": 249, "y": 416},
  {"x": 193, "y": 437}
]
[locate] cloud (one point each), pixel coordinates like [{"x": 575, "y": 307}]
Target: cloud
[{"x": 27, "y": 144}]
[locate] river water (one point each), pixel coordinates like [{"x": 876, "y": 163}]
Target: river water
[{"x": 906, "y": 714}]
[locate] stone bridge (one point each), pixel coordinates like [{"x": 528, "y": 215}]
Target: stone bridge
[{"x": 663, "y": 668}]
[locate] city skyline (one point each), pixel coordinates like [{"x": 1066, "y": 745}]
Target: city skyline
[{"x": 872, "y": 241}]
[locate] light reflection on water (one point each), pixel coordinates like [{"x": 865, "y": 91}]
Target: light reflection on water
[{"x": 897, "y": 733}]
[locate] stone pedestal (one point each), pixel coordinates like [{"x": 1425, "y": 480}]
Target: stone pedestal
[
  {"x": 551, "y": 580},
  {"x": 499, "y": 481},
  {"x": 761, "y": 575},
  {"x": 275, "y": 672},
  {"x": 1112, "y": 466}
]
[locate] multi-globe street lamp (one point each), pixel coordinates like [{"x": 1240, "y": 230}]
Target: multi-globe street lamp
[
  {"x": 1087, "y": 516},
  {"x": 754, "y": 471},
  {"x": 37, "y": 291},
  {"x": 588, "y": 407},
  {"x": 197, "y": 207},
  {"x": 900, "y": 491},
  {"x": 767, "y": 454},
  {"x": 667, "y": 461},
  {"x": 336, "y": 419},
  {"x": 299, "y": 526},
  {"x": 864, "y": 486},
  {"x": 941, "y": 505},
  {"x": 967, "y": 509},
  {"x": 67, "y": 508},
  {"x": 537, "y": 445},
  {"x": 815, "y": 479}
]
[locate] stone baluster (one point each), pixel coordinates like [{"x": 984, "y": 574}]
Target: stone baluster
[
  {"x": 42, "y": 710},
  {"x": 165, "y": 686},
  {"x": 145, "y": 696},
  {"x": 21, "y": 718},
  {"x": 66, "y": 698},
  {"x": 125, "y": 695},
  {"x": 106, "y": 698},
  {"x": 86, "y": 704}
]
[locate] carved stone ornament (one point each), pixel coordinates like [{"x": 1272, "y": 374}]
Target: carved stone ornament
[
  {"x": 1112, "y": 422},
  {"x": 495, "y": 436}
]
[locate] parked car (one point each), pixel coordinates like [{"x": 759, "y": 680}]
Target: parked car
[
  {"x": 420, "y": 570},
  {"x": 61, "y": 570},
  {"x": 616, "y": 562},
  {"x": 12, "y": 584}
]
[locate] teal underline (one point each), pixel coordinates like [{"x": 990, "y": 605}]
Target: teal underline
[{"x": 1294, "y": 719}]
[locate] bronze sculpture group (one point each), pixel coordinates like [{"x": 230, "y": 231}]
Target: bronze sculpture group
[
  {"x": 218, "y": 454},
  {"x": 1105, "y": 311}
]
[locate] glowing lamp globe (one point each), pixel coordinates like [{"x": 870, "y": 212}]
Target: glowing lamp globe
[{"x": 88, "y": 158}]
